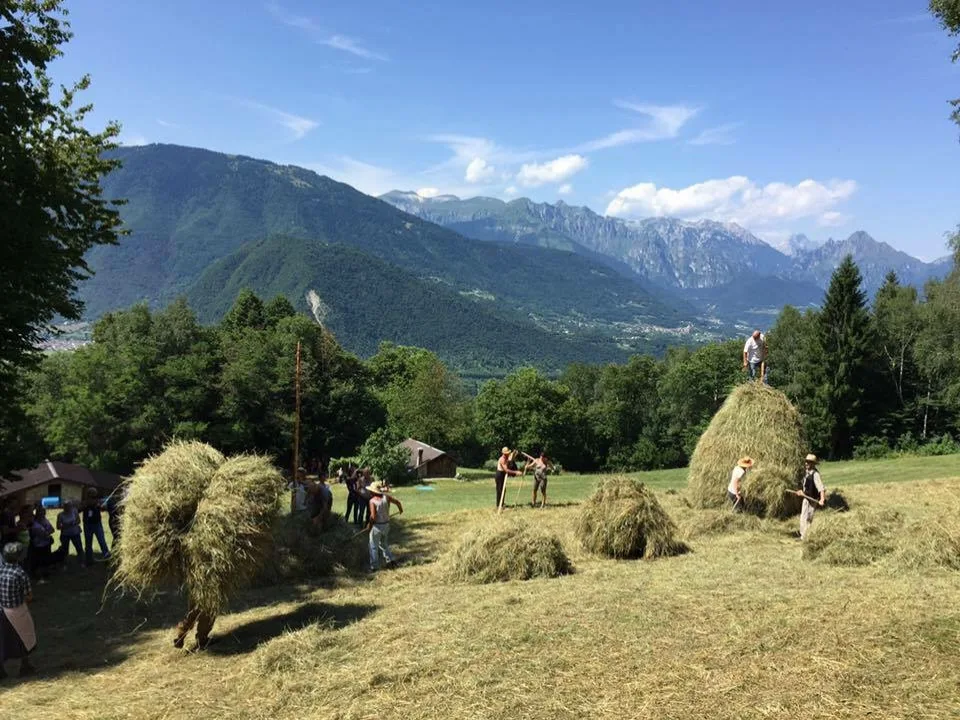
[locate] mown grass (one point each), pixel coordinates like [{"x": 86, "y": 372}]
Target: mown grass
[{"x": 741, "y": 627}]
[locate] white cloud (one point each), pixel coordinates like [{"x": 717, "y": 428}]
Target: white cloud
[
  {"x": 428, "y": 192},
  {"x": 735, "y": 199},
  {"x": 167, "y": 124},
  {"x": 365, "y": 177},
  {"x": 296, "y": 124},
  {"x": 536, "y": 174},
  {"x": 479, "y": 171},
  {"x": 720, "y": 135},
  {"x": 511, "y": 191},
  {"x": 565, "y": 189},
  {"x": 323, "y": 36},
  {"x": 833, "y": 219},
  {"x": 132, "y": 139},
  {"x": 664, "y": 122}
]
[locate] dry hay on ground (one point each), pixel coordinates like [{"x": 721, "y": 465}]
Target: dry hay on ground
[
  {"x": 759, "y": 422},
  {"x": 933, "y": 542},
  {"x": 198, "y": 520},
  {"x": 855, "y": 538},
  {"x": 506, "y": 549},
  {"x": 623, "y": 519},
  {"x": 699, "y": 523},
  {"x": 303, "y": 551}
]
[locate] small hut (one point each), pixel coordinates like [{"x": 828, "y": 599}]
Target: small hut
[{"x": 427, "y": 461}]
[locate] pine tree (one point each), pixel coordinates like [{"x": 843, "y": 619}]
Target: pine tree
[{"x": 845, "y": 335}]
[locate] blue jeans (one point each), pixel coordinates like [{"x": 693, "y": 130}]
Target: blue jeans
[
  {"x": 380, "y": 544},
  {"x": 755, "y": 371},
  {"x": 88, "y": 535},
  {"x": 67, "y": 540}
]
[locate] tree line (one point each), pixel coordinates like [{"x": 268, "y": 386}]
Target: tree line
[{"x": 869, "y": 378}]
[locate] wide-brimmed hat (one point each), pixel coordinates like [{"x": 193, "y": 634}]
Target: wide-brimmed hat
[
  {"x": 15, "y": 550},
  {"x": 377, "y": 488},
  {"x": 745, "y": 462},
  {"x": 505, "y": 450},
  {"x": 811, "y": 458}
]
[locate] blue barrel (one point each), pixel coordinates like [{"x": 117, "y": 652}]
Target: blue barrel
[{"x": 50, "y": 502}]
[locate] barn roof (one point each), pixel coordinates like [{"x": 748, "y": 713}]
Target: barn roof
[
  {"x": 53, "y": 471},
  {"x": 430, "y": 453}
]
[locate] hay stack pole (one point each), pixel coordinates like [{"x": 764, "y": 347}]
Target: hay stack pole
[{"x": 296, "y": 433}]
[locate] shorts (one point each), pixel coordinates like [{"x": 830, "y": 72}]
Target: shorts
[{"x": 539, "y": 481}]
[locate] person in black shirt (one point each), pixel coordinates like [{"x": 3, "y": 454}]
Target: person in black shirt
[{"x": 93, "y": 526}]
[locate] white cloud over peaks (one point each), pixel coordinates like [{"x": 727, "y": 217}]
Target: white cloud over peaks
[
  {"x": 536, "y": 174},
  {"x": 833, "y": 219},
  {"x": 479, "y": 171},
  {"x": 565, "y": 189},
  {"x": 663, "y": 122},
  {"x": 735, "y": 199},
  {"x": 428, "y": 192},
  {"x": 511, "y": 191},
  {"x": 132, "y": 139},
  {"x": 296, "y": 124}
]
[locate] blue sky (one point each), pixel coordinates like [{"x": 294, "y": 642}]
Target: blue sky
[{"x": 818, "y": 117}]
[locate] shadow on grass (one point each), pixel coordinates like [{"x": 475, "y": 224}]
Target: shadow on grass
[
  {"x": 413, "y": 541},
  {"x": 248, "y": 636}
]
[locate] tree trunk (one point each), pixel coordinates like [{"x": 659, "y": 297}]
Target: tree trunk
[{"x": 926, "y": 414}]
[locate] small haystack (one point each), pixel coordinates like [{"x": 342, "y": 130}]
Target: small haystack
[
  {"x": 759, "y": 422},
  {"x": 931, "y": 543},
  {"x": 854, "y": 538},
  {"x": 622, "y": 519},
  {"x": 701, "y": 523},
  {"x": 195, "y": 519},
  {"x": 507, "y": 550}
]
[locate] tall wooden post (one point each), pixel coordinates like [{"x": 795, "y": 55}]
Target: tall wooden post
[{"x": 296, "y": 433}]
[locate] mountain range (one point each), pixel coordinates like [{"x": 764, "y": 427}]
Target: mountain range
[{"x": 487, "y": 284}]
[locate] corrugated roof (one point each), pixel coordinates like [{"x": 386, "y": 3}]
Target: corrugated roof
[
  {"x": 53, "y": 471},
  {"x": 429, "y": 452}
]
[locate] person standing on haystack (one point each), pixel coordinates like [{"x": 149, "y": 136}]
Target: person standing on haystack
[
  {"x": 18, "y": 635},
  {"x": 755, "y": 356},
  {"x": 503, "y": 469},
  {"x": 379, "y": 525},
  {"x": 814, "y": 494},
  {"x": 736, "y": 479}
]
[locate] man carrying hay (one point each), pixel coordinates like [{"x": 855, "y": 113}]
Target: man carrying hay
[
  {"x": 736, "y": 479},
  {"x": 203, "y": 621},
  {"x": 755, "y": 356},
  {"x": 813, "y": 493},
  {"x": 379, "y": 525}
]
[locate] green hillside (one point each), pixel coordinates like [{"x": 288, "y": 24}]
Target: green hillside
[
  {"x": 367, "y": 301},
  {"x": 188, "y": 208}
]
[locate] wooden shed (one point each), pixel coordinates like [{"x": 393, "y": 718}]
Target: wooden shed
[
  {"x": 52, "y": 479},
  {"x": 427, "y": 461}
]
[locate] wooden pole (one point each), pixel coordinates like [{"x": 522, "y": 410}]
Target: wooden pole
[{"x": 296, "y": 433}]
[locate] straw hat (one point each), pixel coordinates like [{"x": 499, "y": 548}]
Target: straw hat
[
  {"x": 377, "y": 488},
  {"x": 811, "y": 458},
  {"x": 505, "y": 450},
  {"x": 745, "y": 462}
]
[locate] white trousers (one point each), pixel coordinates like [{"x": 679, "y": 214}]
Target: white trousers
[{"x": 806, "y": 517}]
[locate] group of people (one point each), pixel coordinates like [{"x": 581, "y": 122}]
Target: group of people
[
  {"x": 26, "y": 543},
  {"x": 507, "y": 467},
  {"x": 812, "y": 490}
]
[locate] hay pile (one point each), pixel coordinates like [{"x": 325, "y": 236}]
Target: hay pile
[
  {"x": 854, "y": 538},
  {"x": 301, "y": 551},
  {"x": 506, "y": 550},
  {"x": 196, "y": 519},
  {"x": 622, "y": 519},
  {"x": 933, "y": 543},
  {"x": 701, "y": 523},
  {"x": 759, "y": 422}
]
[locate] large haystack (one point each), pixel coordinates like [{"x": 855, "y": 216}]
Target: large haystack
[
  {"x": 622, "y": 519},
  {"x": 198, "y": 520},
  {"x": 759, "y": 422},
  {"x": 507, "y": 550}
]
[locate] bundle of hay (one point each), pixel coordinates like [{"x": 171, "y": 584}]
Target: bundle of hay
[
  {"x": 759, "y": 422},
  {"x": 507, "y": 550},
  {"x": 855, "y": 538},
  {"x": 196, "y": 519},
  {"x": 622, "y": 519},
  {"x": 716, "y": 522},
  {"x": 300, "y": 550}
]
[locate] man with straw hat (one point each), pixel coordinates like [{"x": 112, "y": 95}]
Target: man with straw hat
[
  {"x": 503, "y": 469},
  {"x": 813, "y": 493},
  {"x": 379, "y": 525},
  {"x": 18, "y": 636},
  {"x": 736, "y": 477}
]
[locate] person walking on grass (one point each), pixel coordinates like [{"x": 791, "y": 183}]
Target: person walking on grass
[
  {"x": 18, "y": 635},
  {"x": 755, "y": 356},
  {"x": 68, "y": 523},
  {"x": 41, "y": 544},
  {"x": 813, "y": 493},
  {"x": 204, "y": 624},
  {"x": 379, "y": 525},
  {"x": 93, "y": 527},
  {"x": 736, "y": 479},
  {"x": 503, "y": 470},
  {"x": 541, "y": 466}
]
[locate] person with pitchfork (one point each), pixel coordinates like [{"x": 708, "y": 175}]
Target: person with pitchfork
[
  {"x": 736, "y": 478},
  {"x": 379, "y": 525},
  {"x": 813, "y": 492}
]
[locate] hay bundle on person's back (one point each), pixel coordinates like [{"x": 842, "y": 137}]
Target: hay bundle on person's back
[
  {"x": 196, "y": 519},
  {"x": 622, "y": 519},
  {"x": 854, "y": 538},
  {"x": 507, "y": 550},
  {"x": 759, "y": 422}
]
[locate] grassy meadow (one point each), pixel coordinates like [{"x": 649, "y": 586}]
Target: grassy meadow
[{"x": 741, "y": 627}]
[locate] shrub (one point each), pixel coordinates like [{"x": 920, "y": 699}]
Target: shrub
[{"x": 872, "y": 448}]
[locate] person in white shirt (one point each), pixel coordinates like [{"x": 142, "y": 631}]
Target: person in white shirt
[
  {"x": 736, "y": 478},
  {"x": 755, "y": 355},
  {"x": 814, "y": 494},
  {"x": 299, "y": 489}
]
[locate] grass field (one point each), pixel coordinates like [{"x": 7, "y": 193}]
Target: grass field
[{"x": 739, "y": 628}]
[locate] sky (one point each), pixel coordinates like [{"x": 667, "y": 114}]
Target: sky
[{"x": 819, "y": 117}]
